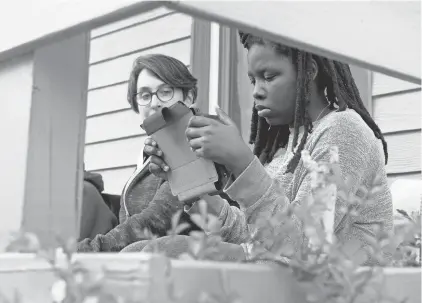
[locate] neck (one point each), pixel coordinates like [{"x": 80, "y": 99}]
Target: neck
[{"x": 317, "y": 109}]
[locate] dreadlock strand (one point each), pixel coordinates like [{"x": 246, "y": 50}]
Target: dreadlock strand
[
  {"x": 254, "y": 125},
  {"x": 291, "y": 166},
  {"x": 336, "y": 86},
  {"x": 343, "y": 83},
  {"x": 275, "y": 144},
  {"x": 299, "y": 91},
  {"x": 347, "y": 74},
  {"x": 360, "y": 108},
  {"x": 262, "y": 137},
  {"x": 271, "y": 144},
  {"x": 330, "y": 95},
  {"x": 306, "y": 120},
  {"x": 377, "y": 132},
  {"x": 264, "y": 156}
]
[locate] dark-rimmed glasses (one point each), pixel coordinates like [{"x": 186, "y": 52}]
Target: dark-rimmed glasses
[{"x": 164, "y": 94}]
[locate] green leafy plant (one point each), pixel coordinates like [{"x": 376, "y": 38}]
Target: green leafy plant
[{"x": 327, "y": 270}]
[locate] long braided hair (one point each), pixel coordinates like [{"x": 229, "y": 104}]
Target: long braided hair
[{"x": 334, "y": 77}]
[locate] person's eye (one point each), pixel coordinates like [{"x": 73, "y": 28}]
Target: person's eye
[
  {"x": 252, "y": 80},
  {"x": 166, "y": 91},
  {"x": 269, "y": 77},
  {"x": 145, "y": 96}
]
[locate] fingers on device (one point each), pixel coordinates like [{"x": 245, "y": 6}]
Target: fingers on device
[{"x": 190, "y": 176}]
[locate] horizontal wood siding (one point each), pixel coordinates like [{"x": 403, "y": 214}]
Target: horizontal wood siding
[
  {"x": 397, "y": 111},
  {"x": 114, "y": 138},
  {"x": 114, "y": 154}
]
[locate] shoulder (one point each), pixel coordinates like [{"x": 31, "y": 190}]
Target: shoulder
[
  {"x": 349, "y": 132},
  {"x": 348, "y": 121},
  {"x": 345, "y": 126}
]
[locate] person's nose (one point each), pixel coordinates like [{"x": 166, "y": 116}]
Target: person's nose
[
  {"x": 155, "y": 103},
  {"x": 258, "y": 92}
]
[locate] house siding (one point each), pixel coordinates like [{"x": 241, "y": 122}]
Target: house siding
[
  {"x": 113, "y": 137},
  {"x": 397, "y": 111}
]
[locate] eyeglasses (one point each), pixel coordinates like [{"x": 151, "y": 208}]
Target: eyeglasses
[{"x": 164, "y": 94}]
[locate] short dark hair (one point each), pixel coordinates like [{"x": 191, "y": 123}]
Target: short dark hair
[
  {"x": 168, "y": 69},
  {"x": 335, "y": 78}
]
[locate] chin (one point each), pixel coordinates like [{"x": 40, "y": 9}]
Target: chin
[{"x": 275, "y": 122}]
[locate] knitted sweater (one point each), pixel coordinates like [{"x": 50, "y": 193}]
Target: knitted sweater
[{"x": 264, "y": 190}]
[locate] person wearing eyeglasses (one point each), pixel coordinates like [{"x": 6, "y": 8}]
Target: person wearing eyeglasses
[{"x": 146, "y": 202}]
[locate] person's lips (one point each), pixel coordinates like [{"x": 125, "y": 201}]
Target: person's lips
[{"x": 263, "y": 111}]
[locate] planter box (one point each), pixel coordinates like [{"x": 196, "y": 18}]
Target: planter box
[{"x": 33, "y": 278}]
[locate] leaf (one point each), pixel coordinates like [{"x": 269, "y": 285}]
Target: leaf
[
  {"x": 91, "y": 299},
  {"x": 59, "y": 291},
  {"x": 23, "y": 242},
  {"x": 202, "y": 206},
  {"x": 180, "y": 228},
  {"x": 176, "y": 219},
  {"x": 195, "y": 247},
  {"x": 198, "y": 220},
  {"x": 405, "y": 214},
  {"x": 186, "y": 257},
  {"x": 197, "y": 235},
  {"x": 214, "y": 225}
]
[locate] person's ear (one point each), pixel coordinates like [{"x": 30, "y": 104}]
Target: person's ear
[
  {"x": 189, "y": 98},
  {"x": 315, "y": 69}
]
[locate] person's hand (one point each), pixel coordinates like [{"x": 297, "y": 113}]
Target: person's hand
[
  {"x": 219, "y": 141},
  {"x": 157, "y": 165}
]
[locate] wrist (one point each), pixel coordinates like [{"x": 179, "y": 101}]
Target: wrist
[
  {"x": 215, "y": 204},
  {"x": 242, "y": 162}
]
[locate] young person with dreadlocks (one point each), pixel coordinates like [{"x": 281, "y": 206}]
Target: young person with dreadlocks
[{"x": 302, "y": 102}]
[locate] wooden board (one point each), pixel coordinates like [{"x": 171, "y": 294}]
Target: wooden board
[
  {"x": 404, "y": 151},
  {"x": 107, "y": 99},
  {"x": 411, "y": 176},
  {"x": 363, "y": 21},
  {"x": 53, "y": 183},
  {"x": 60, "y": 20},
  {"x": 16, "y": 96},
  {"x": 129, "y": 22},
  {"x": 398, "y": 112},
  {"x": 252, "y": 283},
  {"x": 383, "y": 84},
  {"x": 385, "y": 20},
  {"x": 118, "y": 70},
  {"x": 114, "y": 154},
  {"x": 113, "y": 126},
  {"x": 140, "y": 37}
]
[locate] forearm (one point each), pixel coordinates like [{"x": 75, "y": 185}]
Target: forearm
[
  {"x": 122, "y": 212},
  {"x": 262, "y": 198},
  {"x": 234, "y": 227},
  {"x": 118, "y": 238},
  {"x": 156, "y": 218},
  {"x": 232, "y": 219}
]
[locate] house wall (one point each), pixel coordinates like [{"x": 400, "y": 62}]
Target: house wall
[
  {"x": 113, "y": 136},
  {"x": 397, "y": 111}
]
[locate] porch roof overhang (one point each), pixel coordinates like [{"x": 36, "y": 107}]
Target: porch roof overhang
[{"x": 381, "y": 36}]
